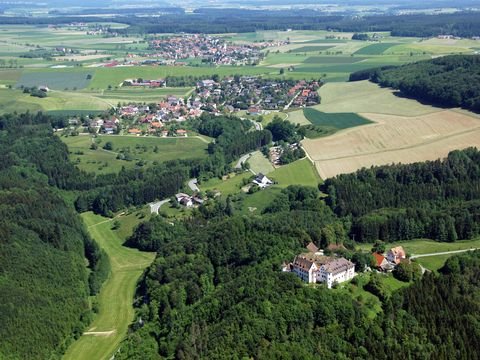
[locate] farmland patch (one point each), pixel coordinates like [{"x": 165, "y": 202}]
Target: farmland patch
[
  {"x": 375, "y": 49},
  {"x": 57, "y": 80},
  {"x": 394, "y": 139}
]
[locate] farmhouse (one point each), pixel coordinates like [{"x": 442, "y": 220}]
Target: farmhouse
[
  {"x": 381, "y": 263},
  {"x": 396, "y": 255},
  {"x": 262, "y": 181},
  {"x": 181, "y": 132},
  {"x": 184, "y": 199},
  {"x": 134, "y": 131}
]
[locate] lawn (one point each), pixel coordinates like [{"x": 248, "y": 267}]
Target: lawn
[
  {"x": 116, "y": 296},
  {"x": 230, "y": 186},
  {"x": 300, "y": 172},
  {"x": 375, "y": 49},
  {"x": 148, "y": 149},
  {"x": 434, "y": 263},
  {"x": 255, "y": 203},
  {"x": 338, "y": 121},
  {"x": 260, "y": 164}
]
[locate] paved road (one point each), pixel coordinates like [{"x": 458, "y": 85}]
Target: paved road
[
  {"x": 242, "y": 161},
  {"x": 155, "y": 207},
  {"x": 442, "y": 253},
  {"x": 192, "y": 184},
  {"x": 258, "y": 126}
]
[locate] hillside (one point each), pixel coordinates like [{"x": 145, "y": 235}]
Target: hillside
[
  {"x": 216, "y": 291},
  {"x": 44, "y": 283},
  {"x": 450, "y": 81}
]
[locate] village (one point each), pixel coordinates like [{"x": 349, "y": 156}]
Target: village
[
  {"x": 210, "y": 49},
  {"x": 314, "y": 266},
  {"x": 229, "y": 96},
  {"x": 256, "y": 94}
]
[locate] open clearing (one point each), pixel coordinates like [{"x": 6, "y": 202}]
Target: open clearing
[
  {"x": 393, "y": 139},
  {"x": 148, "y": 149},
  {"x": 367, "y": 97},
  {"x": 260, "y": 164},
  {"x": 116, "y": 312}
]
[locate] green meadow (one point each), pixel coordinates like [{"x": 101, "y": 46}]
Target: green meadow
[
  {"x": 144, "y": 151},
  {"x": 115, "y": 309},
  {"x": 337, "y": 121}
]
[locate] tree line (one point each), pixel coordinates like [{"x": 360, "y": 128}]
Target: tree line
[
  {"x": 44, "y": 283},
  {"x": 210, "y": 21},
  {"x": 436, "y": 199}
]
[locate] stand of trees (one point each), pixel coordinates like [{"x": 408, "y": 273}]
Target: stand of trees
[
  {"x": 210, "y": 20},
  {"x": 44, "y": 284},
  {"x": 451, "y": 81},
  {"x": 436, "y": 199}
]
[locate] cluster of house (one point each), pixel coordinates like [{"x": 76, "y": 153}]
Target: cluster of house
[
  {"x": 187, "y": 200},
  {"x": 152, "y": 119},
  {"x": 314, "y": 267},
  {"x": 276, "y": 152},
  {"x": 305, "y": 93},
  {"x": 145, "y": 83},
  {"x": 257, "y": 94},
  {"x": 208, "y": 48},
  {"x": 388, "y": 261},
  {"x": 109, "y": 126}
]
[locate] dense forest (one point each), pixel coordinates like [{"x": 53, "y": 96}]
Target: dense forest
[
  {"x": 436, "y": 199},
  {"x": 450, "y": 81},
  {"x": 216, "y": 291},
  {"x": 210, "y": 20},
  {"x": 44, "y": 284}
]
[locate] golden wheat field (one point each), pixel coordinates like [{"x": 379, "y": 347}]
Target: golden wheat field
[{"x": 394, "y": 139}]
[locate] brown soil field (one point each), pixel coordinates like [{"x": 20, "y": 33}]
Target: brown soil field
[{"x": 394, "y": 139}]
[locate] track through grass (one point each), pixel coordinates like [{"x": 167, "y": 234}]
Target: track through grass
[{"x": 116, "y": 297}]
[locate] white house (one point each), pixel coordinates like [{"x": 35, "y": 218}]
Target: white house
[
  {"x": 336, "y": 272},
  {"x": 184, "y": 199},
  {"x": 262, "y": 181}
]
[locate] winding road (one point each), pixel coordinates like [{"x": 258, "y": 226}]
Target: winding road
[
  {"x": 442, "y": 253},
  {"x": 155, "y": 207}
]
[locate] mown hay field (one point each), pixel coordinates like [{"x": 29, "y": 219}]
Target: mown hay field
[{"x": 394, "y": 139}]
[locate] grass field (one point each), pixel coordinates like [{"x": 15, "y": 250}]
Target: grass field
[
  {"x": 300, "y": 172},
  {"x": 114, "y": 76},
  {"x": 141, "y": 148},
  {"x": 260, "y": 164},
  {"x": 434, "y": 263},
  {"x": 116, "y": 297},
  {"x": 375, "y": 49},
  {"x": 334, "y": 60},
  {"x": 311, "y": 48},
  {"x": 394, "y": 139},
  {"x": 338, "y": 121},
  {"x": 56, "y": 80},
  {"x": 227, "y": 187},
  {"x": 367, "y": 97}
]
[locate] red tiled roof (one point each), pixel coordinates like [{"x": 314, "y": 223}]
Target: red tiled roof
[{"x": 379, "y": 258}]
